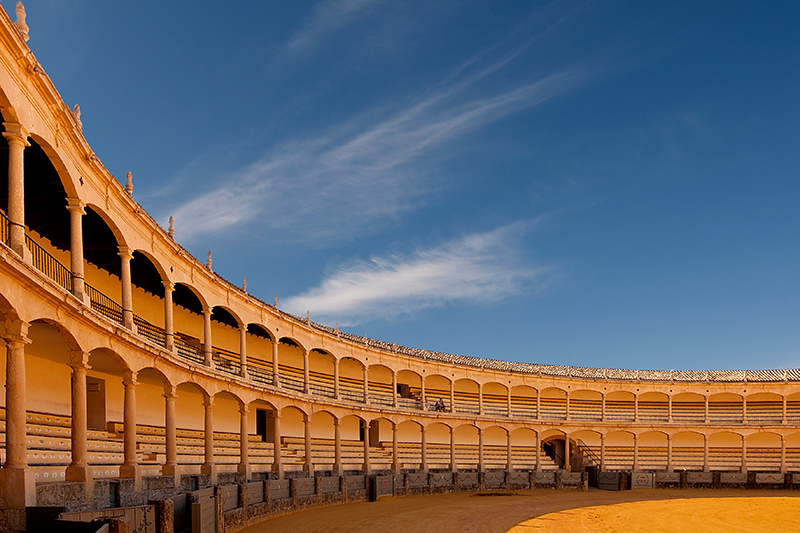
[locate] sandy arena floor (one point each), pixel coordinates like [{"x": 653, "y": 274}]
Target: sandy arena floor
[{"x": 657, "y": 511}]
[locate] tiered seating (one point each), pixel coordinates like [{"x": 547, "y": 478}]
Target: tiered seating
[
  {"x": 687, "y": 458},
  {"x": 380, "y": 393},
  {"x": 726, "y": 412},
  {"x": 688, "y": 411},
  {"x": 523, "y": 406},
  {"x": 769, "y": 412},
  {"x": 619, "y": 410},
  {"x": 725, "y": 459},
  {"x": 654, "y": 411},
  {"x": 585, "y": 409},
  {"x": 553, "y": 408},
  {"x": 494, "y": 405},
  {"x": 351, "y": 389},
  {"x": 764, "y": 459}
]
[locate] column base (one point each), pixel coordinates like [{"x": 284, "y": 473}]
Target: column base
[
  {"x": 246, "y": 469},
  {"x": 17, "y": 488},
  {"x": 83, "y": 474},
  {"x": 279, "y": 469},
  {"x": 209, "y": 469},
  {"x": 172, "y": 470},
  {"x": 308, "y": 467},
  {"x": 132, "y": 472}
]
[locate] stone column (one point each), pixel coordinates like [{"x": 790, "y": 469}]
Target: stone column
[
  {"x": 170, "y": 467},
  {"x": 508, "y": 403},
  {"x": 635, "y": 453},
  {"x": 277, "y": 462},
  {"x": 538, "y": 404},
  {"x": 308, "y": 464},
  {"x": 635, "y": 407},
  {"x": 452, "y": 396},
  {"x": 423, "y": 450},
  {"x": 76, "y": 212},
  {"x": 509, "y": 454},
  {"x": 306, "y": 379},
  {"x": 539, "y": 452},
  {"x": 669, "y": 409},
  {"x": 243, "y": 350},
  {"x": 395, "y": 461},
  {"x": 244, "y": 444},
  {"x": 783, "y": 416},
  {"x": 706, "y": 411},
  {"x": 602, "y": 452},
  {"x": 335, "y": 378},
  {"x": 566, "y": 409},
  {"x": 337, "y": 447},
  {"x": 567, "y": 462},
  {"x": 705, "y": 453},
  {"x": 126, "y": 254},
  {"x": 276, "y": 374},
  {"x": 453, "y": 465},
  {"x": 783, "y": 454},
  {"x": 209, "y": 467},
  {"x": 480, "y": 399},
  {"x": 18, "y": 480},
  {"x": 129, "y": 468},
  {"x": 208, "y": 358},
  {"x": 17, "y": 137},
  {"x": 366, "y": 384},
  {"x": 394, "y": 389},
  {"x": 78, "y": 469},
  {"x": 744, "y": 454},
  {"x": 169, "y": 328},
  {"x": 669, "y": 454},
  {"x": 603, "y": 408},
  {"x": 366, "y": 466},
  {"x": 422, "y": 398},
  {"x": 480, "y": 450}
]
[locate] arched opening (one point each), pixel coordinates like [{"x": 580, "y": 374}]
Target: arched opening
[
  {"x": 409, "y": 445},
  {"x": 190, "y": 427},
  {"x": 353, "y": 430},
  {"x": 409, "y": 390},
  {"x": 293, "y": 443},
  {"x": 654, "y": 407},
  {"x": 495, "y": 399},
  {"x": 764, "y": 452},
  {"x": 188, "y": 322},
  {"x": 553, "y": 404},
  {"x": 495, "y": 448},
  {"x": 586, "y": 405},
  {"x": 725, "y": 407},
  {"x": 652, "y": 448},
  {"x": 588, "y": 453},
  {"x": 523, "y": 449},
  {"x": 688, "y": 449},
  {"x": 437, "y": 443},
  {"x": 620, "y": 406},
  {"x": 619, "y": 450},
  {"x": 437, "y": 391},
  {"x": 765, "y": 407},
  {"x": 147, "y": 284},
  {"x": 380, "y": 385},
  {"x": 351, "y": 379},
  {"x": 467, "y": 438},
  {"x": 227, "y": 432},
  {"x": 688, "y": 407},
  {"x": 523, "y": 401},
  {"x": 323, "y": 443},
  {"x": 553, "y": 449},
  {"x": 466, "y": 396},
  {"x": 725, "y": 452},
  {"x": 321, "y": 364},
  {"x": 226, "y": 340},
  {"x": 291, "y": 364},
  {"x": 259, "y": 354},
  {"x": 261, "y": 417},
  {"x": 151, "y": 421}
]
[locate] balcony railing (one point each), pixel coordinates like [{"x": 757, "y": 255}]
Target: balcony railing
[
  {"x": 104, "y": 305},
  {"x": 49, "y": 265},
  {"x": 5, "y": 236},
  {"x": 188, "y": 348},
  {"x": 149, "y": 331}
]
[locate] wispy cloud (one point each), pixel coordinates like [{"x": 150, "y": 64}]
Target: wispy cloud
[
  {"x": 367, "y": 169},
  {"x": 479, "y": 267},
  {"x": 329, "y": 16}
]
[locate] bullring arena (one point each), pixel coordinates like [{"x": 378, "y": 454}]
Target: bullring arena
[{"x": 138, "y": 380}]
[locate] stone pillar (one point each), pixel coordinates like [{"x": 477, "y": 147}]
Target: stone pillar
[
  {"x": 366, "y": 384},
  {"x": 452, "y": 396},
  {"x": 129, "y": 468},
  {"x": 169, "y": 328},
  {"x": 306, "y": 379},
  {"x": 335, "y": 378},
  {"x": 538, "y": 452},
  {"x": 566, "y": 411},
  {"x": 78, "y": 469},
  {"x": 423, "y": 450},
  {"x": 277, "y": 463},
  {"x": 17, "y": 137},
  {"x": 366, "y": 466},
  {"x": 480, "y": 399},
  {"x": 705, "y": 419},
  {"x": 337, "y": 447},
  {"x": 744, "y": 454},
  {"x": 538, "y": 404},
  {"x": 603, "y": 409},
  {"x": 635, "y": 407},
  {"x": 125, "y": 255},
  {"x": 480, "y": 450},
  {"x": 744, "y": 409},
  {"x": 567, "y": 462},
  {"x": 783, "y": 453},
  {"x": 276, "y": 374},
  {"x": 76, "y": 212},
  {"x": 209, "y": 467},
  {"x": 508, "y": 403},
  {"x": 602, "y": 452},
  {"x": 635, "y": 453},
  {"x": 308, "y": 464},
  {"x": 394, "y": 389},
  {"x": 395, "y": 461},
  {"x": 669, "y": 454},
  {"x": 705, "y": 452},
  {"x": 783, "y": 416},
  {"x": 244, "y": 444},
  {"x": 453, "y": 465},
  {"x": 243, "y": 350},
  {"x": 669, "y": 409},
  {"x": 18, "y": 480},
  {"x": 509, "y": 454},
  {"x": 208, "y": 359},
  {"x": 422, "y": 398},
  {"x": 170, "y": 467}
]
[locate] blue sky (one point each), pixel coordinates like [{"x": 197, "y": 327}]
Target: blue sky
[{"x": 590, "y": 183}]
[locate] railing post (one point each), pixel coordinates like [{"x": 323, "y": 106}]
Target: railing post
[
  {"x": 244, "y": 449},
  {"x": 17, "y": 137}
]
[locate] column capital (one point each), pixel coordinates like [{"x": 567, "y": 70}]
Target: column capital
[
  {"x": 129, "y": 378},
  {"x": 16, "y": 339},
  {"x": 16, "y": 329},
  {"x": 79, "y": 359},
  {"x": 16, "y": 133},
  {"x": 244, "y": 409},
  {"x": 76, "y": 205},
  {"x": 208, "y": 401},
  {"x": 168, "y": 285},
  {"x": 125, "y": 252},
  {"x": 170, "y": 392},
  {"x": 207, "y": 310},
  {"x": 336, "y": 422}
]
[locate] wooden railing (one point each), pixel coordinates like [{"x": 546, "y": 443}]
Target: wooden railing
[{"x": 49, "y": 265}]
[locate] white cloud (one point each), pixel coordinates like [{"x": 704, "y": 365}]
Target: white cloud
[
  {"x": 329, "y": 16},
  {"x": 480, "y": 267}
]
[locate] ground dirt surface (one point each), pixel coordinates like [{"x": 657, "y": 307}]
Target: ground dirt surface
[{"x": 492, "y": 513}]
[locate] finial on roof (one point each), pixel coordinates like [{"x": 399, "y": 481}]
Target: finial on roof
[
  {"x": 20, "y": 22},
  {"x": 308, "y": 317},
  {"x": 171, "y": 230},
  {"x": 76, "y": 114},
  {"x": 129, "y": 183},
  {"x": 244, "y": 283},
  {"x": 337, "y": 329},
  {"x": 208, "y": 261},
  {"x": 276, "y": 300}
]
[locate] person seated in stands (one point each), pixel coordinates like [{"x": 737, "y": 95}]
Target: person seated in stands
[{"x": 439, "y": 405}]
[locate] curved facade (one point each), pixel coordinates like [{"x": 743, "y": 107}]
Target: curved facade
[{"x": 125, "y": 358}]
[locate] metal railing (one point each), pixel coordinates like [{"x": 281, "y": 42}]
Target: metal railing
[
  {"x": 49, "y": 265},
  {"x": 104, "y": 305},
  {"x": 188, "y": 350},
  {"x": 587, "y": 453},
  {"x": 150, "y": 331}
]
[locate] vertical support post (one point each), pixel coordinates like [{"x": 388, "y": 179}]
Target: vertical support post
[
  {"x": 366, "y": 384},
  {"x": 208, "y": 359},
  {"x": 744, "y": 454},
  {"x": 277, "y": 462},
  {"x": 169, "y": 327},
  {"x": 306, "y": 379},
  {"x": 76, "y": 212},
  {"x": 366, "y": 467},
  {"x": 508, "y": 402},
  {"x": 125, "y": 255},
  {"x": 603, "y": 408},
  {"x": 453, "y": 465},
  {"x": 669, "y": 409},
  {"x": 744, "y": 409},
  {"x": 635, "y": 453},
  {"x": 243, "y": 350},
  {"x": 602, "y": 452},
  {"x": 705, "y": 416},
  {"x": 783, "y": 454},
  {"x": 170, "y": 467},
  {"x": 509, "y": 453},
  {"x": 480, "y": 399},
  {"x": 337, "y": 447},
  {"x": 395, "y": 460},
  {"x": 539, "y": 452},
  {"x": 669, "y": 453},
  {"x": 567, "y": 454},
  {"x": 635, "y": 407},
  {"x": 783, "y": 416},
  {"x": 208, "y": 466},
  {"x": 17, "y": 137},
  {"x": 78, "y": 469},
  {"x": 423, "y": 450},
  {"x": 276, "y": 374},
  {"x": 394, "y": 389},
  {"x": 422, "y": 398},
  {"x": 308, "y": 464},
  {"x": 538, "y": 404},
  {"x": 452, "y": 396},
  {"x": 480, "y": 450},
  {"x": 706, "y": 466},
  {"x": 129, "y": 468},
  {"x": 244, "y": 445},
  {"x": 566, "y": 408},
  {"x": 335, "y": 378}
]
